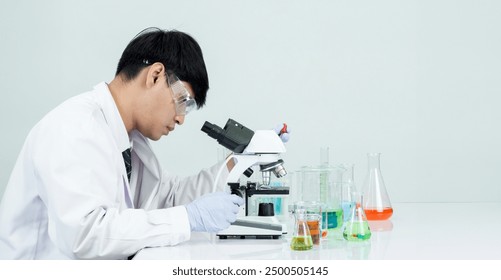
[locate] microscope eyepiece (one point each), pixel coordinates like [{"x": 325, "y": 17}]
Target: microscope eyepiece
[
  {"x": 212, "y": 130},
  {"x": 233, "y": 136}
]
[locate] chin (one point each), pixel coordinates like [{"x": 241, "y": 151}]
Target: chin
[{"x": 155, "y": 137}]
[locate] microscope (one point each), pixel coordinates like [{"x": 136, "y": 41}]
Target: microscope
[{"x": 253, "y": 148}]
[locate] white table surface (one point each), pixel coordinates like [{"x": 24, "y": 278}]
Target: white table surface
[{"x": 419, "y": 231}]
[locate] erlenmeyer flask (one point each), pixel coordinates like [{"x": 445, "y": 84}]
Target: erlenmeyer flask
[
  {"x": 357, "y": 228},
  {"x": 377, "y": 203},
  {"x": 301, "y": 238}
]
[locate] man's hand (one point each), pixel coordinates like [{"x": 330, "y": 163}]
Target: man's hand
[{"x": 213, "y": 212}]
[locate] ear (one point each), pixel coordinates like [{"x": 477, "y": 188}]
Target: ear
[{"x": 155, "y": 74}]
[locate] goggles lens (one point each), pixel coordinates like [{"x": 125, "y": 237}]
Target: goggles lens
[{"x": 184, "y": 102}]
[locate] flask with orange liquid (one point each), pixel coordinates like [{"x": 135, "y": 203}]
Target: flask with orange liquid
[{"x": 377, "y": 204}]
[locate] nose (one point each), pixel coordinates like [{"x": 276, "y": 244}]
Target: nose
[{"x": 179, "y": 120}]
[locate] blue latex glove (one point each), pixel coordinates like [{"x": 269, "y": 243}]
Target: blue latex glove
[
  {"x": 283, "y": 131},
  {"x": 213, "y": 212}
]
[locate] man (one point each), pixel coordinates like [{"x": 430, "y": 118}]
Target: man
[{"x": 87, "y": 184}]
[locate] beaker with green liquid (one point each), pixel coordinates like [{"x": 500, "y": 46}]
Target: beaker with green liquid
[
  {"x": 301, "y": 237},
  {"x": 357, "y": 228}
]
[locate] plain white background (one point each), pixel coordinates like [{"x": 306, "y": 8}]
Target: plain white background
[{"x": 418, "y": 81}]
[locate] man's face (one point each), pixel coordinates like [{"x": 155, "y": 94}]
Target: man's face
[{"x": 158, "y": 111}]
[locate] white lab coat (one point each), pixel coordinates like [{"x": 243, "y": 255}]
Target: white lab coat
[{"x": 68, "y": 196}]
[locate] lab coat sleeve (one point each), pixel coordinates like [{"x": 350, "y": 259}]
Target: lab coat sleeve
[
  {"x": 81, "y": 184},
  {"x": 177, "y": 190}
]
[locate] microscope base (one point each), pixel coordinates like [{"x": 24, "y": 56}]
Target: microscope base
[{"x": 252, "y": 227}]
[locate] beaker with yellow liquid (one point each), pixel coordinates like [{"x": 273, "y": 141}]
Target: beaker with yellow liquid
[{"x": 301, "y": 237}]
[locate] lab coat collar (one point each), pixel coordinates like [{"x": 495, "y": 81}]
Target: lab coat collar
[{"x": 112, "y": 115}]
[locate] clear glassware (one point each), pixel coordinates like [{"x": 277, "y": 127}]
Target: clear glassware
[
  {"x": 301, "y": 237},
  {"x": 377, "y": 204},
  {"x": 323, "y": 184},
  {"x": 314, "y": 222},
  {"x": 348, "y": 187},
  {"x": 357, "y": 228},
  {"x": 315, "y": 208}
]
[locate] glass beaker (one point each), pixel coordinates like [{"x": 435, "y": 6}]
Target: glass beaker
[
  {"x": 323, "y": 184},
  {"x": 301, "y": 237},
  {"x": 314, "y": 222},
  {"x": 357, "y": 228},
  {"x": 377, "y": 204},
  {"x": 316, "y": 208},
  {"x": 334, "y": 209}
]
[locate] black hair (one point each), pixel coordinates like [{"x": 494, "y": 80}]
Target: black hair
[{"x": 177, "y": 51}]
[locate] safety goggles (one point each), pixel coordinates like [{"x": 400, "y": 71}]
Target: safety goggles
[{"x": 184, "y": 102}]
